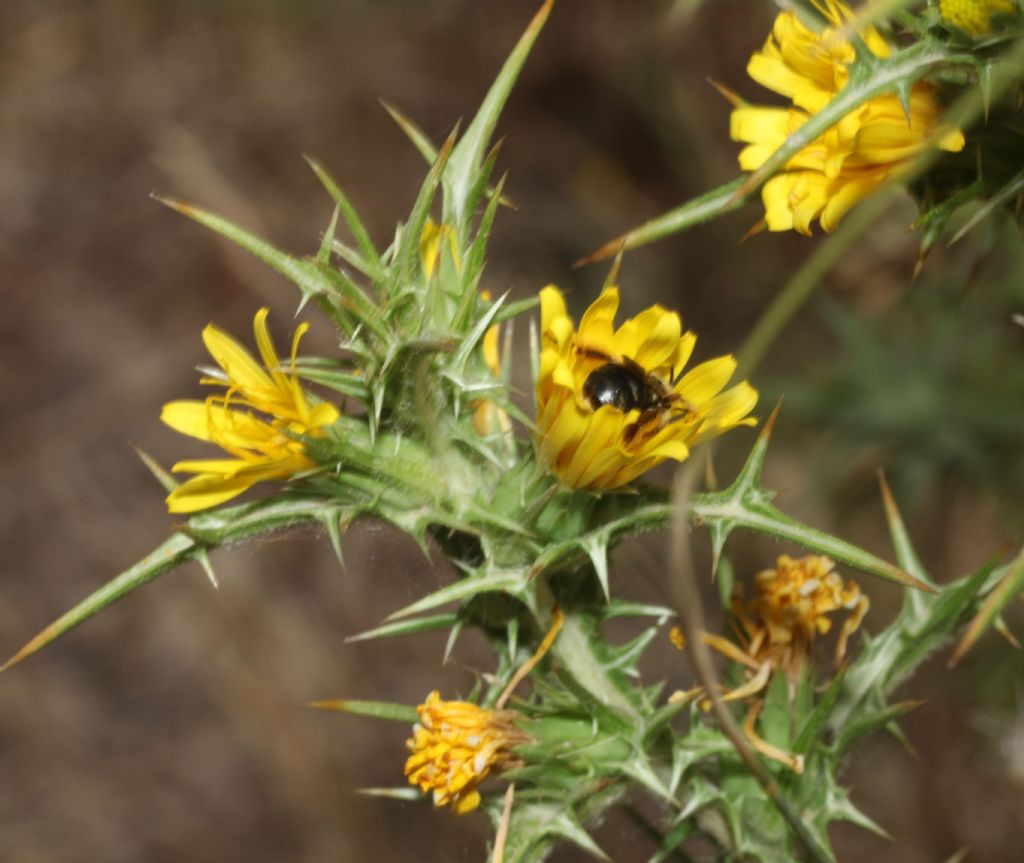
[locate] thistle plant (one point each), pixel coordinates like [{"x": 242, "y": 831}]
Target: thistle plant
[{"x": 413, "y": 420}]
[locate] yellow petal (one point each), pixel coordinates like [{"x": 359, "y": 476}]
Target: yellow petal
[
  {"x": 846, "y": 195},
  {"x": 603, "y": 433},
  {"x": 242, "y": 370},
  {"x": 265, "y": 344},
  {"x": 187, "y": 417},
  {"x": 705, "y": 381},
  {"x": 203, "y": 492},
  {"x": 552, "y": 307},
  {"x": 655, "y": 337},
  {"x": 324, "y": 414},
  {"x": 596, "y": 328}
]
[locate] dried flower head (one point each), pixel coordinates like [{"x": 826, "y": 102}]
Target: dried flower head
[
  {"x": 456, "y": 745},
  {"x": 611, "y": 403},
  {"x": 258, "y": 421},
  {"x": 792, "y": 606},
  {"x": 849, "y": 161}
]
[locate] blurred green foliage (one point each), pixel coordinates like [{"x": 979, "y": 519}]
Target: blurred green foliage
[{"x": 930, "y": 387}]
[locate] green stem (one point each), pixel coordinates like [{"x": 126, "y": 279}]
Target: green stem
[
  {"x": 575, "y": 652},
  {"x": 805, "y": 281}
]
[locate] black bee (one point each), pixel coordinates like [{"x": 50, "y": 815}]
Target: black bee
[{"x": 626, "y": 386}]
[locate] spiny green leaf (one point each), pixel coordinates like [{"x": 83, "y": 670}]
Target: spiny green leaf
[
  {"x": 624, "y": 608},
  {"x": 471, "y": 340},
  {"x": 701, "y": 209},
  {"x": 475, "y": 259},
  {"x": 168, "y": 482},
  {"x": 414, "y": 133},
  {"x": 174, "y": 551},
  {"x": 407, "y": 253},
  {"x": 624, "y": 657},
  {"x": 323, "y": 255},
  {"x": 511, "y": 310},
  {"x": 346, "y": 383},
  {"x": 218, "y": 527},
  {"x": 355, "y": 225},
  {"x": 468, "y": 155},
  {"x": 1009, "y": 586},
  {"x": 376, "y": 709},
  {"x": 510, "y": 581},
  {"x": 1007, "y": 193},
  {"x": 872, "y": 722},
  {"x": 407, "y": 627},
  {"x": 303, "y": 273},
  {"x": 817, "y": 721},
  {"x": 536, "y": 826}
]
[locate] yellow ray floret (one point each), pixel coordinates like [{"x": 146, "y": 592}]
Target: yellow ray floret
[
  {"x": 974, "y": 16},
  {"x": 849, "y": 161},
  {"x": 256, "y": 421},
  {"x": 455, "y": 746},
  {"x": 613, "y": 403}
]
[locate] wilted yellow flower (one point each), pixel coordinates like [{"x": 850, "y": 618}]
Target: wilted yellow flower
[
  {"x": 262, "y": 445},
  {"x": 611, "y": 403},
  {"x": 776, "y": 633},
  {"x": 455, "y": 746},
  {"x": 974, "y": 16},
  {"x": 778, "y": 626},
  {"x": 849, "y": 161},
  {"x": 792, "y": 605}
]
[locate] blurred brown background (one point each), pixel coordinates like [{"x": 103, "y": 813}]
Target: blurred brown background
[{"x": 170, "y": 727}]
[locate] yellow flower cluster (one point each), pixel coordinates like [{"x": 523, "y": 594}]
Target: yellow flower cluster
[
  {"x": 610, "y": 401},
  {"x": 974, "y": 16},
  {"x": 262, "y": 447},
  {"x": 849, "y": 161},
  {"x": 456, "y": 745}
]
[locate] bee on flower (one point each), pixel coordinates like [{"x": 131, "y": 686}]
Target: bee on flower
[
  {"x": 456, "y": 745},
  {"x": 854, "y": 157},
  {"x": 259, "y": 421},
  {"x": 613, "y": 403}
]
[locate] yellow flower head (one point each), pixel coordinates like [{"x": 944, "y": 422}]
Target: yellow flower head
[
  {"x": 455, "y": 745},
  {"x": 792, "y": 606},
  {"x": 611, "y": 403},
  {"x": 807, "y": 66},
  {"x": 849, "y": 161},
  {"x": 973, "y": 16},
  {"x": 254, "y": 421}
]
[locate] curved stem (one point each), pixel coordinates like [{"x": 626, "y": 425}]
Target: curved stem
[{"x": 805, "y": 280}]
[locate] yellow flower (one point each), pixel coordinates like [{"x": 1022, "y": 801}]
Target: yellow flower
[
  {"x": 455, "y": 745},
  {"x": 973, "y": 16},
  {"x": 849, "y": 161},
  {"x": 610, "y": 402},
  {"x": 262, "y": 447}
]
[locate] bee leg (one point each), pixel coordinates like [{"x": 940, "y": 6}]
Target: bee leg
[{"x": 645, "y": 418}]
